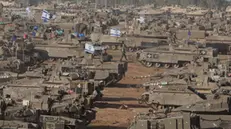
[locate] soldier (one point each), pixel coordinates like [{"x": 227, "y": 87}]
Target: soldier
[
  {"x": 104, "y": 53},
  {"x": 50, "y": 102},
  {"x": 69, "y": 37},
  {"x": 172, "y": 37},
  {"x": 123, "y": 49}
]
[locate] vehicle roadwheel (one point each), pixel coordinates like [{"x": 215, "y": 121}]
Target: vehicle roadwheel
[
  {"x": 157, "y": 65},
  {"x": 118, "y": 47},
  {"x": 176, "y": 65},
  {"x": 138, "y": 49},
  {"x": 149, "y": 64},
  {"x": 186, "y": 64},
  {"x": 130, "y": 49},
  {"x": 166, "y": 66},
  {"x": 154, "y": 106},
  {"x": 113, "y": 47}
]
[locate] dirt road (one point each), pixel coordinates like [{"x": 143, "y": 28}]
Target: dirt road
[{"x": 119, "y": 104}]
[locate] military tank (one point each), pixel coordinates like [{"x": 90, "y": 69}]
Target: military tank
[
  {"x": 176, "y": 88},
  {"x": 107, "y": 73},
  {"x": 221, "y": 74},
  {"x": 212, "y": 113},
  {"x": 133, "y": 43},
  {"x": 17, "y": 59},
  {"x": 221, "y": 43},
  {"x": 38, "y": 107},
  {"x": 174, "y": 93},
  {"x": 176, "y": 56}
]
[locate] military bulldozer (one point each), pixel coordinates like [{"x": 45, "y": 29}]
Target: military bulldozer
[
  {"x": 213, "y": 113},
  {"x": 176, "y": 57}
]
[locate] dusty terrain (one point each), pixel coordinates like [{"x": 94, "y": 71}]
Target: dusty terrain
[{"x": 111, "y": 112}]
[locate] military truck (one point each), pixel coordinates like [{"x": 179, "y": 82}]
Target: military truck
[{"x": 176, "y": 56}]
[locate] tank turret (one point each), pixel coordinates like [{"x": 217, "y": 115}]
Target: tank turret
[{"x": 206, "y": 114}]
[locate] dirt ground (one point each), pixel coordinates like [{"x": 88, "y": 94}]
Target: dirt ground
[{"x": 111, "y": 113}]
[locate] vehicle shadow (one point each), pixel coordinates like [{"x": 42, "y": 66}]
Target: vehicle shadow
[
  {"x": 120, "y": 85},
  {"x": 105, "y": 127},
  {"x": 118, "y": 99},
  {"x": 118, "y": 106}
]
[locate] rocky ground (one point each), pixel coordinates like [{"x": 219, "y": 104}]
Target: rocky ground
[{"x": 119, "y": 104}]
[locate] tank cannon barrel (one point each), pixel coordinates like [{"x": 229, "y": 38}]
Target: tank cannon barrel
[{"x": 202, "y": 96}]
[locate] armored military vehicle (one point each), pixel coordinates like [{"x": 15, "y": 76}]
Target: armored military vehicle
[
  {"x": 177, "y": 87},
  {"x": 97, "y": 50},
  {"x": 18, "y": 58},
  {"x": 110, "y": 42},
  {"x": 212, "y": 113},
  {"x": 133, "y": 43},
  {"x": 221, "y": 43},
  {"x": 105, "y": 72},
  {"x": 60, "y": 51},
  {"x": 221, "y": 74},
  {"x": 176, "y": 57},
  {"x": 192, "y": 34},
  {"x": 44, "y": 106}
]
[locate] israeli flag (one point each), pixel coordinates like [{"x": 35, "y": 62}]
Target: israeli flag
[
  {"x": 141, "y": 19},
  {"x": 89, "y": 48},
  {"x": 115, "y": 32},
  {"x": 28, "y": 10},
  {"x": 45, "y": 15}
]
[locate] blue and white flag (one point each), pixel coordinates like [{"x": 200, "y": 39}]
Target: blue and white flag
[
  {"x": 141, "y": 19},
  {"x": 45, "y": 15},
  {"x": 115, "y": 32},
  {"x": 28, "y": 10},
  {"x": 89, "y": 48}
]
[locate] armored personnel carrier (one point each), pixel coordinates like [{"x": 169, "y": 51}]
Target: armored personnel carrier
[
  {"x": 212, "y": 113},
  {"x": 176, "y": 57}
]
